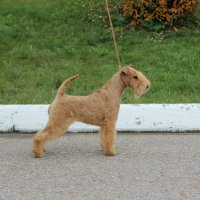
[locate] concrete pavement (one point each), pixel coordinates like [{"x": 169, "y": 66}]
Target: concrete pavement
[{"x": 147, "y": 167}]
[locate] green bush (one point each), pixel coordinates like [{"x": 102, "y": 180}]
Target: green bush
[{"x": 152, "y": 13}]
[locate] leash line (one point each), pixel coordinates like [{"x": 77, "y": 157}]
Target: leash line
[{"x": 113, "y": 34}]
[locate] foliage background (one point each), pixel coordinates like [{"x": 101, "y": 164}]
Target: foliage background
[
  {"x": 43, "y": 42},
  {"x": 158, "y": 13}
]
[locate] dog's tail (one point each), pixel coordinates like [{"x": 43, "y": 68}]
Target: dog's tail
[{"x": 61, "y": 89}]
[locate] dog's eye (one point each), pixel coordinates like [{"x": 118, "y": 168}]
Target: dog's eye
[{"x": 135, "y": 77}]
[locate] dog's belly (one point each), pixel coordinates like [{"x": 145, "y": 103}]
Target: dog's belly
[
  {"x": 90, "y": 116},
  {"x": 92, "y": 122}
]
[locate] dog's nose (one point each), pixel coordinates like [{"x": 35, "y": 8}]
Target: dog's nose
[{"x": 147, "y": 87}]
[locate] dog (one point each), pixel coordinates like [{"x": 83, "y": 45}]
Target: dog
[{"x": 100, "y": 108}]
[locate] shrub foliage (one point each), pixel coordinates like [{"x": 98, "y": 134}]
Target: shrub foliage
[{"x": 165, "y": 12}]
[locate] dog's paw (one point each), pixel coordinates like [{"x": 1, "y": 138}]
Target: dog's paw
[
  {"x": 38, "y": 154},
  {"x": 111, "y": 153}
]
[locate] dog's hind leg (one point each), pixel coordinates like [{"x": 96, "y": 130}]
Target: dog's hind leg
[{"x": 50, "y": 132}]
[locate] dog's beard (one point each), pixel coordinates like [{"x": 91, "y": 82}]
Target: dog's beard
[
  {"x": 138, "y": 93},
  {"x": 136, "y": 97}
]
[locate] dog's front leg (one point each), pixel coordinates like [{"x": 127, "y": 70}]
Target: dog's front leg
[{"x": 108, "y": 137}]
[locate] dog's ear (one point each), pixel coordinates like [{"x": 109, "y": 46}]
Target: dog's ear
[
  {"x": 125, "y": 71},
  {"x": 130, "y": 66}
]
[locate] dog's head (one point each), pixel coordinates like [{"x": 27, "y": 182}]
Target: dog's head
[{"x": 134, "y": 79}]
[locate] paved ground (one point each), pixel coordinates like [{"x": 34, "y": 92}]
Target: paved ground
[{"x": 148, "y": 166}]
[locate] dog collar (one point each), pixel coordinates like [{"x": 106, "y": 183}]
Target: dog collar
[{"x": 125, "y": 86}]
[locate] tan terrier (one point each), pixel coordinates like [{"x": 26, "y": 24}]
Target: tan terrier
[{"x": 99, "y": 108}]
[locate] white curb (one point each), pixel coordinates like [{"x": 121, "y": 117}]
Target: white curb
[{"x": 132, "y": 118}]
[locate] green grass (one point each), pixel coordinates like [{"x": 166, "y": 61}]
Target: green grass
[{"x": 43, "y": 42}]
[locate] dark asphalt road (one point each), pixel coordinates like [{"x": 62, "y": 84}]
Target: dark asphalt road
[{"x": 148, "y": 166}]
